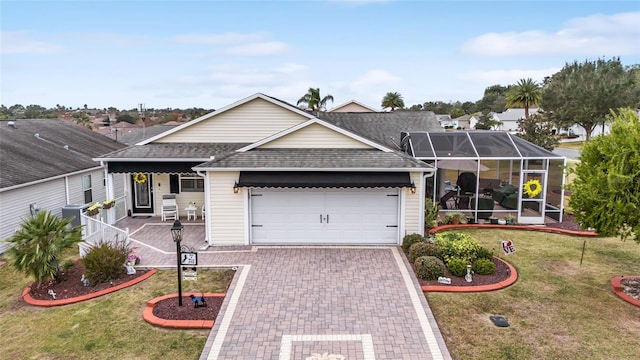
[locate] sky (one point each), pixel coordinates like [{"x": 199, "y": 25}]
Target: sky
[{"x": 209, "y": 54}]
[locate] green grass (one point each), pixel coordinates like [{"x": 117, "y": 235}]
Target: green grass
[
  {"x": 109, "y": 327},
  {"x": 557, "y": 308},
  {"x": 573, "y": 145}
]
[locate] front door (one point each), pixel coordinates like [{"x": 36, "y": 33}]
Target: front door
[
  {"x": 142, "y": 190},
  {"x": 533, "y": 196}
]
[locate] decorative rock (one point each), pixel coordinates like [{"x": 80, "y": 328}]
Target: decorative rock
[{"x": 444, "y": 280}]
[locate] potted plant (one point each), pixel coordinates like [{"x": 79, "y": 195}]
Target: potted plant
[
  {"x": 493, "y": 220},
  {"x": 108, "y": 204},
  {"x": 510, "y": 219},
  {"x": 94, "y": 209},
  {"x": 455, "y": 218}
]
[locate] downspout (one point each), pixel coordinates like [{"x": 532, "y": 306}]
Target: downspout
[
  {"x": 426, "y": 175},
  {"x": 207, "y": 219}
]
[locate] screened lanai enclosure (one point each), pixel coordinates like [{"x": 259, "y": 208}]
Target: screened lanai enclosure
[{"x": 491, "y": 174}]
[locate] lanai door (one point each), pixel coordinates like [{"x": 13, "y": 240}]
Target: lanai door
[
  {"x": 142, "y": 199},
  {"x": 532, "y": 208}
]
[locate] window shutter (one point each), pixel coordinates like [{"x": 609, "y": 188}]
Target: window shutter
[{"x": 174, "y": 183}]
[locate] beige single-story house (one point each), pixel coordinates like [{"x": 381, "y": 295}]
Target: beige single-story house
[{"x": 266, "y": 172}]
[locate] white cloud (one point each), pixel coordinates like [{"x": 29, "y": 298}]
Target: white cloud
[
  {"x": 595, "y": 35},
  {"x": 506, "y": 77},
  {"x": 21, "y": 42},
  {"x": 373, "y": 78},
  {"x": 258, "y": 49},
  {"x": 217, "y": 39},
  {"x": 292, "y": 68}
]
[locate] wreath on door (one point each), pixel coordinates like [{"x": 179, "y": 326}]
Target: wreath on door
[
  {"x": 532, "y": 188},
  {"x": 140, "y": 178}
]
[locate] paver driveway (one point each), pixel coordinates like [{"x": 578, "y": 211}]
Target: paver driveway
[{"x": 293, "y": 302}]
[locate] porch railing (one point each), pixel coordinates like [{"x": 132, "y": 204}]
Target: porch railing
[{"x": 96, "y": 231}]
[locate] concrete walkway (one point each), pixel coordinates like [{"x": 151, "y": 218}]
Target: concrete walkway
[{"x": 292, "y": 302}]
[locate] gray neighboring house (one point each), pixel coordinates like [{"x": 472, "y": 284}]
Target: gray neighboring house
[{"x": 46, "y": 164}]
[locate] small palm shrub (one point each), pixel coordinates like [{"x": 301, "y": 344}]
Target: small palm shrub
[
  {"x": 429, "y": 267},
  {"x": 105, "y": 261},
  {"x": 457, "y": 266},
  {"x": 38, "y": 245},
  {"x": 457, "y": 245},
  {"x": 411, "y": 239},
  {"x": 484, "y": 267},
  {"x": 420, "y": 249},
  {"x": 484, "y": 253}
]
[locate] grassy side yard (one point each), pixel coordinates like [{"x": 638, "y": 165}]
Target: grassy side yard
[
  {"x": 573, "y": 145},
  {"x": 558, "y": 309},
  {"x": 109, "y": 327}
]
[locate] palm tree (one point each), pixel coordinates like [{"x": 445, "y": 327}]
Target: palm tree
[
  {"x": 392, "y": 100},
  {"x": 313, "y": 100},
  {"x": 526, "y": 93},
  {"x": 39, "y": 242}
]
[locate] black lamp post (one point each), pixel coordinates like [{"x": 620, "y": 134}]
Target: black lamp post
[{"x": 176, "y": 233}]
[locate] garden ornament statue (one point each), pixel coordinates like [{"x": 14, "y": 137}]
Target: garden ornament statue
[
  {"x": 84, "y": 280},
  {"x": 468, "y": 277},
  {"x": 198, "y": 301},
  {"x": 52, "y": 293},
  {"x": 130, "y": 269}
]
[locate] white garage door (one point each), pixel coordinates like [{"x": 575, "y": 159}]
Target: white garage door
[{"x": 324, "y": 216}]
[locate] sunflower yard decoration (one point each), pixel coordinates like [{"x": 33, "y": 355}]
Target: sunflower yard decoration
[
  {"x": 532, "y": 188},
  {"x": 140, "y": 178}
]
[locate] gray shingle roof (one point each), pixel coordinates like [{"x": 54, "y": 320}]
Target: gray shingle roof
[
  {"x": 174, "y": 151},
  {"x": 382, "y": 127},
  {"x": 26, "y": 158},
  {"x": 316, "y": 159},
  {"x": 133, "y": 136}
]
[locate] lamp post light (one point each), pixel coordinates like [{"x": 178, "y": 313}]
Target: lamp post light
[{"x": 176, "y": 233}]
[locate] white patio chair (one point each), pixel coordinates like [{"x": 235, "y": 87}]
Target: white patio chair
[{"x": 169, "y": 207}]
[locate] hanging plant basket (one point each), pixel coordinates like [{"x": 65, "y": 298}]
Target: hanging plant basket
[{"x": 92, "y": 212}]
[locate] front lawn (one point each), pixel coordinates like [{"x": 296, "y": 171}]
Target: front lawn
[
  {"x": 558, "y": 309},
  {"x": 109, "y": 327}
]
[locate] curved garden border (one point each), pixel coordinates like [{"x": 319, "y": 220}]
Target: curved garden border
[
  {"x": 48, "y": 303},
  {"x": 513, "y": 276},
  {"x": 148, "y": 316},
  {"x": 618, "y": 289},
  {"x": 513, "y": 273}
]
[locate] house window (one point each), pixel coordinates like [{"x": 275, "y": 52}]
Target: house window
[
  {"x": 191, "y": 183},
  {"x": 86, "y": 188}
]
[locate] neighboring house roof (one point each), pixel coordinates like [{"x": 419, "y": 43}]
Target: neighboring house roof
[
  {"x": 314, "y": 159},
  {"x": 137, "y": 135},
  {"x": 384, "y": 128},
  {"x": 353, "y": 106},
  {"x": 60, "y": 148},
  {"x": 513, "y": 114}
]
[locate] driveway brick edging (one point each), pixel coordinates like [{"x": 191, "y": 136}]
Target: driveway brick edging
[
  {"x": 618, "y": 289},
  {"x": 513, "y": 276},
  {"x": 513, "y": 227},
  {"x": 48, "y": 303},
  {"x": 148, "y": 316}
]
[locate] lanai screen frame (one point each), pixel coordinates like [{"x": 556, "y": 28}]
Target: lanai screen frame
[{"x": 481, "y": 145}]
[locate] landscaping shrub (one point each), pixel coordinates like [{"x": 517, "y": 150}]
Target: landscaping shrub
[
  {"x": 429, "y": 267},
  {"x": 484, "y": 253},
  {"x": 457, "y": 266},
  {"x": 409, "y": 240},
  {"x": 105, "y": 261},
  {"x": 457, "y": 245},
  {"x": 484, "y": 267},
  {"x": 420, "y": 249}
]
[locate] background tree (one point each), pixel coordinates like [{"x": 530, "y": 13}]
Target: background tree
[
  {"x": 606, "y": 190},
  {"x": 524, "y": 94},
  {"x": 538, "y": 129},
  {"x": 392, "y": 100},
  {"x": 81, "y": 118},
  {"x": 493, "y": 100},
  {"x": 485, "y": 122},
  {"x": 38, "y": 244},
  {"x": 313, "y": 101},
  {"x": 585, "y": 93},
  {"x": 126, "y": 118}
]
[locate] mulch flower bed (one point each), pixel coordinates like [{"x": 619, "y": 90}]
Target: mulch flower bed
[
  {"x": 502, "y": 273},
  {"x": 631, "y": 287},
  {"x": 70, "y": 285},
  {"x": 168, "y": 309}
]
